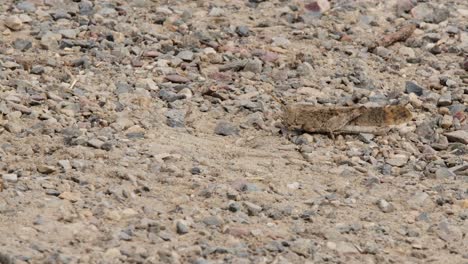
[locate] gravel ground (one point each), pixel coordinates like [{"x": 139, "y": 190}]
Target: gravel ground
[{"x": 145, "y": 131}]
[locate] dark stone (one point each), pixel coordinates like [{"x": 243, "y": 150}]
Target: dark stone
[
  {"x": 60, "y": 14},
  {"x": 195, "y": 170},
  {"x": 175, "y": 118},
  {"x": 225, "y": 128},
  {"x": 22, "y": 44},
  {"x": 170, "y": 96},
  {"x": 412, "y": 87},
  {"x": 243, "y": 31},
  {"x": 37, "y": 69}
]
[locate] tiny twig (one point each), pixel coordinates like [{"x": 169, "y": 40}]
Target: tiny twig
[{"x": 74, "y": 80}]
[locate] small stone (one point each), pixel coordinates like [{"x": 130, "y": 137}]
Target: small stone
[
  {"x": 281, "y": 42},
  {"x": 319, "y": 6},
  {"x": 212, "y": 221},
  {"x": 14, "y": 23},
  {"x": 252, "y": 208},
  {"x": 404, "y": 6},
  {"x": 65, "y": 164},
  {"x": 383, "y": 52},
  {"x": 412, "y": 87},
  {"x": 122, "y": 87},
  {"x": 385, "y": 206},
  {"x": 397, "y": 160},
  {"x": 451, "y": 83},
  {"x": 303, "y": 247},
  {"x": 175, "y": 78},
  {"x": 70, "y": 196},
  {"x": 234, "y": 207},
  {"x": 112, "y": 253},
  {"x": 125, "y": 236},
  {"x": 37, "y": 69},
  {"x": 442, "y": 173},
  {"x": 216, "y": 12},
  {"x": 46, "y": 169},
  {"x": 181, "y": 228},
  {"x": 446, "y": 121},
  {"x": 68, "y": 33},
  {"x": 186, "y": 92},
  {"x": 95, "y": 143},
  {"x": 49, "y": 41},
  {"x": 304, "y": 69},
  {"x": 407, "y": 52},
  {"x": 458, "y": 136},
  {"x": 175, "y": 118},
  {"x": 185, "y": 55},
  {"x": 427, "y": 13},
  {"x": 10, "y": 177},
  {"x": 26, "y": 6},
  {"x": 225, "y": 128},
  {"x": 243, "y": 31},
  {"x": 445, "y": 100},
  {"x": 195, "y": 171},
  {"x": 22, "y": 44},
  {"x": 417, "y": 200},
  {"x": 170, "y": 96},
  {"x": 293, "y": 185}
]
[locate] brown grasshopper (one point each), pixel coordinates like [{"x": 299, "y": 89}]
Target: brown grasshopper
[{"x": 341, "y": 119}]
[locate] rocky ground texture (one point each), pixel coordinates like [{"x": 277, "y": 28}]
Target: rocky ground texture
[{"x": 144, "y": 131}]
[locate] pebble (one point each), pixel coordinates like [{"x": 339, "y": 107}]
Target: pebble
[
  {"x": 446, "y": 121},
  {"x": 216, "y": 12},
  {"x": 26, "y": 6},
  {"x": 252, "y": 208},
  {"x": 177, "y": 78},
  {"x": 46, "y": 169},
  {"x": 10, "y": 177},
  {"x": 282, "y": 42},
  {"x": 398, "y": 160},
  {"x": 96, "y": 143},
  {"x": 181, "y": 228},
  {"x": 225, "y": 128},
  {"x": 175, "y": 118},
  {"x": 412, "y": 87},
  {"x": 418, "y": 200},
  {"x": 49, "y": 41},
  {"x": 243, "y": 31},
  {"x": 442, "y": 173},
  {"x": 212, "y": 221},
  {"x": 458, "y": 136},
  {"x": 430, "y": 14},
  {"x": 185, "y": 55},
  {"x": 22, "y": 44},
  {"x": 385, "y": 206},
  {"x": 68, "y": 33},
  {"x": 445, "y": 100},
  {"x": 303, "y": 247},
  {"x": 14, "y": 23},
  {"x": 65, "y": 165}
]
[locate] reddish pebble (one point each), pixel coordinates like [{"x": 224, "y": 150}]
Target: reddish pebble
[{"x": 177, "y": 78}]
